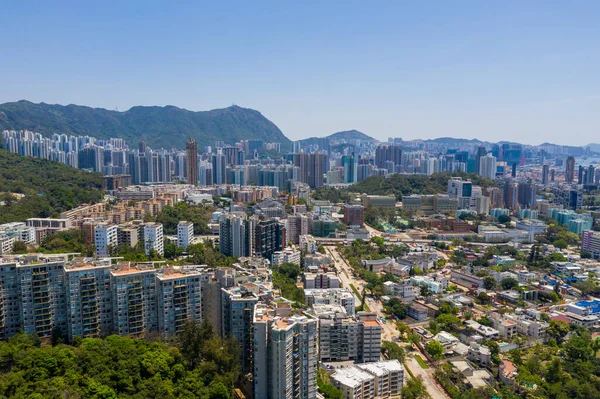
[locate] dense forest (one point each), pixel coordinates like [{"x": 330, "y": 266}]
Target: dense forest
[
  {"x": 49, "y": 187},
  {"x": 198, "y": 365}
]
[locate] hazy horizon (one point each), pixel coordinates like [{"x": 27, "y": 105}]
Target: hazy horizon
[{"x": 511, "y": 71}]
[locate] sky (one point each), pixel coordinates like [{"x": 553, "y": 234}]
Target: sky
[{"x": 525, "y": 71}]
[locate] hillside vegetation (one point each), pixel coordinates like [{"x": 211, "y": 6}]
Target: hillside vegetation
[
  {"x": 49, "y": 187},
  {"x": 401, "y": 185},
  {"x": 201, "y": 365},
  {"x": 159, "y": 127}
]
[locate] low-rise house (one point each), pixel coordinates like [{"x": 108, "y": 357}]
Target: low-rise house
[
  {"x": 479, "y": 354},
  {"x": 507, "y": 372}
]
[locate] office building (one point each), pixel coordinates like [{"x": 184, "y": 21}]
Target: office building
[
  {"x": 185, "y": 233},
  {"x": 285, "y": 353},
  {"x": 153, "y": 238},
  {"x": 105, "y": 239},
  {"x": 462, "y": 190},
  {"x": 191, "y": 162}
]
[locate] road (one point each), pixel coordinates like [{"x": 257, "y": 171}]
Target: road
[
  {"x": 432, "y": 388},
  {"x": 389, "y": 328}
]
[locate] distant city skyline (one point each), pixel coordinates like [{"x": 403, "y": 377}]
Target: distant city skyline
[{"x": 512, "y": 71}]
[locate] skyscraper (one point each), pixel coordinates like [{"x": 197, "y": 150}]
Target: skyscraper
[
  {"x": 191, "y": 155},
  {"x": 570, "y": 169},
  {"x": 218, "y": 168},
  {"x": 350, "y": 169}
]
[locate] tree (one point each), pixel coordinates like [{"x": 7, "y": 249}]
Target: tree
[
  {"x": 503, "y": 219},
  {"x": 19, "y": 247},
  {"x": 395, "y": 307},
  {"x": 435, "y": 349},
  {"x": 489, "y": 283},
  {"x": 484, "y": 298},
  {"x": 509, "y": 283},
  {"x": 560, "y": 243},
  {"x": 558, "y": 329},
  {"x": 393, "y": 351},
  {"x": 415, "y": 389},
  {"x": 425, "y": 291}
]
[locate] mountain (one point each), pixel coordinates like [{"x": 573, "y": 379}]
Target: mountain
[
  {"x": 345, "y": 135},
  {"x": 48, "y": 187},
  {"x": 350, "y": 135},
  {"x": 159, "y": 127},
  {"x": 594, "y": 147}
]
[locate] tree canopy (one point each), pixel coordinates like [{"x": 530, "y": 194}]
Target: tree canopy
[{"x": 201, "y": 366}]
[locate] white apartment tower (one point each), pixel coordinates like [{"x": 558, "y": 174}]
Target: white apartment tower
[
  {"x": 105, "y": 238},
  {"x": 153, "y": 238},
  {"x": 487, "y": 166},
  {"x": 185, "y": 233}
]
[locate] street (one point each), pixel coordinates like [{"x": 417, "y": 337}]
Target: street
[{"x": 389, "y": 331}]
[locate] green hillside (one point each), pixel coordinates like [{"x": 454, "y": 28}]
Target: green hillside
[
  {"x": 159, "y": 127},
  {"x": 49, "y": 187}
]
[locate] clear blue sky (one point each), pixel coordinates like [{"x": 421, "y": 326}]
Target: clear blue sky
[{"x": 526, "y": 71}]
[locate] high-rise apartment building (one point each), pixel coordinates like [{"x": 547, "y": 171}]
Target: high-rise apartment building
[
  {"x": 570, "y": 169},
  {"x": 88, "y": 300},
  {"x": 235, "y": 234},
  {"x": 545, "y": 174},
  {"x": 191, "y": 158},
  {"x": 285, "y": 353},
  {"x": 384, "y": 153},
  {"x": 153, "y": 238},
  {"x": 185, "y": 233},
  {"x": 487, "y": 166},
  {"x": 105, "y": 239},
  {"x": 237, "y": 307},
  {"x": 43, "y": 298},
  {"x": 179, "y": 298},
  {"x": 91, "y": 299},
  {"x": 134, "y": 305},
  {"x": 296, "y": 226},
  {"x": 311, "y": 168},
  {"x": 269, "y": 237}
]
